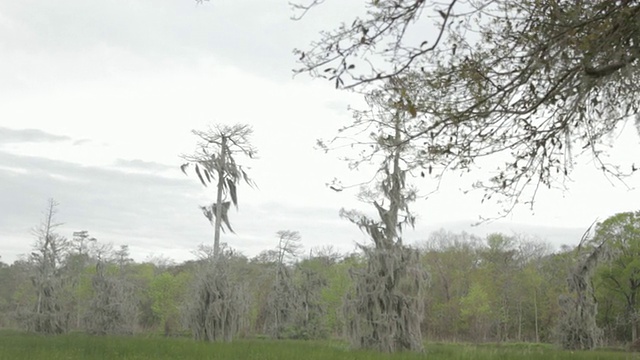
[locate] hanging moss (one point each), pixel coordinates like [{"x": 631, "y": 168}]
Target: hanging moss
[
  {"x": 385, "y": 308},
  {"x": 217, "y": 305},
  {"x": 577, "y": 328},
  {"x": 113, "y": 309}
]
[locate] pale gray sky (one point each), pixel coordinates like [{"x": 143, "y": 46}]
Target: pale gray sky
[{"x": 97, "y": 101}]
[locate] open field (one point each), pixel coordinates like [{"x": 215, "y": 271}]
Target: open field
[{"x": 15, "y": 345}]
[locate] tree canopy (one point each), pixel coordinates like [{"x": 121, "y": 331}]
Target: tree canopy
[
  {"x": 536, "y": 81},
  {"x": 621, "y": 276}
]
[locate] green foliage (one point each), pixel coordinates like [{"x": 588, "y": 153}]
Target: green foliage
[
  {"x": 476, "y": 311},
  {"x": 619, "y": 279},
  {"x": 167, "y": 292},
  {"x": 338, "y": 283}
]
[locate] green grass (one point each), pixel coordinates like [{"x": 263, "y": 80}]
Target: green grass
[{"x": 14, "y": 345}]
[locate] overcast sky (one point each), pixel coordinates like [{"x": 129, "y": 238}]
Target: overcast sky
[{"x": 98, "y": 100}]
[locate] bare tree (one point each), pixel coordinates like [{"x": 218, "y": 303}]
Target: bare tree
[
  {"x": 50, "y": 314},
  {"x": 215, "y": 157},
  {"x": 536, "y": 81}
]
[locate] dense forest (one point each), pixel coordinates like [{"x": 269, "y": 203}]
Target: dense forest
[{"x": 501, "y": 288}]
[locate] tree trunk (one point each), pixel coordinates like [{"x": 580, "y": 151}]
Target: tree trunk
[
  {"x": 520, "y": 321},
  {"x": 535, "y": 311},
  {"x": 633, "y": 316},
  {"x": 218, "y": 223}
]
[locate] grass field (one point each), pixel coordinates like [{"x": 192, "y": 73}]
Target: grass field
[{"x": 15, "y": 345}]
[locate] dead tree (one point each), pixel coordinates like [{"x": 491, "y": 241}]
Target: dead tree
[{"x": 50, "y": 313}]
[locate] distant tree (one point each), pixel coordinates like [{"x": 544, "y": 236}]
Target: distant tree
[
  {"x": 215, "y": 158},
  {"x": 621, "y": 276},
  {"x": 82, "y": 242},
  {"x": 113, "y": 308},
  {"x": 283, "y": 303},
  {"x": 453, "y": 262},
  {"x": 310, "y": 279},
  {"x": 535, "y": 81},
  {"x": 50, "y": 313},
  {"x": 167, "y": 291},
  {"x": 476, "y": 312},
  {"x": 339, "y": 282},
  {"x": 7, "y": 288},
  {"x": 79, "y": 258}
]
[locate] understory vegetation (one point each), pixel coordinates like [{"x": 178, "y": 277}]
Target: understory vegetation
[{"x": 77, "y": 346}]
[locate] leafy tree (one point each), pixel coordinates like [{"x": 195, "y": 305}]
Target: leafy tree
[
  {"x": 554, "y": 270},
  {"x": 215, "y": 157},
  {"x": 500, "y": 263},
  {"x": 141, "y": 276},
  {"x": 621, "y": 276},
  {"x": 331, "y": 275},
  {"x": 452, "y": 260},
  {"x": 535, "y": 81},
  {"x": 530, "y": 290},
  {"x": 78, "y": 258},
  {"x": 7, "y": 287},
  {"x": 476, "y": 311},
  {"x": 167, "y": 292}
]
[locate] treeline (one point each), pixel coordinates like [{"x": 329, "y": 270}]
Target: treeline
[{"x": 497, "y": 288}]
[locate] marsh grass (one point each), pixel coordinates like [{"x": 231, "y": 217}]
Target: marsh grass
[{"x": 15, "y": 345}]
